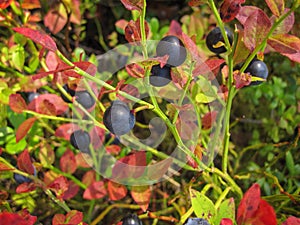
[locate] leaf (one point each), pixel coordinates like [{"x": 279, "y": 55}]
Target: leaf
[
  {"x": 276, "y": 6},
  {"x": 265, "y": 214},
  {"x": 241, "y": 79},
  {"x": 5, "y": 3},
  {"x": 226, "y": 210},
  {"x": 58, "y": 219},
  {"x": 60, "y": 185},
  {"x": 17, "y": 56},
  {"x": 175, "y": 29},
  {"x": 67, "y": 162},
  {"x": 256, "y": 28},
  {"x": 129, "y": 89},
  {"x": 208, "y": 66},
  {"x": 65, "y": 130},
  {"x": 193, "y": 50},
  {"x": 89, "y": 177},
  {"x": 135, "y": 70},
  {"x": 72, "y": 191},
  {"x": 133, "y": 31},
  {"x": 12, "y": 218},
  {"x": 241, "y": 53},
  {"x": 24, "y": 128},
  {"x": 60, "y": 21},
  {"x": 133, "y": 4},
  {"x": 287, "y": 45},
  {"x": 116, "y": 191},
  {"x": 249, "y": 204},
  {"x": 37, "y": 36},
  {"x": 17, "y": 103},
  {"x": 74, "y": 217},
  {"x": 130, "y": 167},
  {"x": 25, "y": 187},
  {"x": 82, "y": 161},
  {"x": 245, "y": 12},
  {"x": 113, "y": 149},
  {"x": 29, "y": 218},
  {"x": 95, "y": 191},
  {"x": 24, "y": 162},
  {"x": 202, "y": 205},
  {"x": 292, "y": 221},
  {"x": 159, "y": 169},
  {"x": 194, "y": 3},
  {"x": 53, "y": 102},
  {"x": 97, "y": 136},
  {"x": 208, "y": 119},
  {"x": 5, "y": 167},
  {"x": 46, "y": 155},
  {"x": 31, "y": 4},
  {"x": 141, "y": 195},
  {"x": 229, "y": 9},
  {"x": 286, "y": 25},
  {"x": 88, "y": 67}
]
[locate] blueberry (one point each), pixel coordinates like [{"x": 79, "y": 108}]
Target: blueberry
[
  {"x": 69, "y": 91},
  {"x": 196, "y": 221},
  {"x": 131, "y": 219},
  {"x": 81, "y": 140},
  {"x": 160, "y": 76},
  {"x": 257, "y": 68},
  {"x": 20, "y": 179},
  {"x": 215, "y": 36},
  {"x": 173, "y": 47},
  {"x": 118, "y": 118},
  {"x": 85, "y": 99},
  {"x": 31, "y": 96}
]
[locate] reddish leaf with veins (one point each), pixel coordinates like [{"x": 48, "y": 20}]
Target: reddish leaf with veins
[
  {"x": 286, "y": 25},
  {"x": 141, "y": 195},
  {"x": 95, "y": 191},
  {"x": 133, "y": 4},
  {"x": 129, "y": 89},
  {"x": 24, "y": 128},
  {"x": 60, "y": 185},
  {"x": 116, "y": 191},
  {"x": 276, "y": 6},
  {"x": 133, "y": 31},
  {"x": 26, "y": 215},
  {"x": 208, "y": 66},
  {"x": 175, "y": 29},
  {"x": 12, "y": 218},
  {"x": 241, "y": 79},
  {"x": 37, "y": 36},
  {"x": 245, "y": 12},
  {"x": 68, "y": 162},
  {"x": 229, "y": 9},
  {"x": 24, "y": 162},
  {"x": 135, "y": 70},
  {"x": 26, "y": 187},
  {"x": 17, "y": 103},
  {"x": 72, "y": 191},
  {"x": 60, "y": 21}
]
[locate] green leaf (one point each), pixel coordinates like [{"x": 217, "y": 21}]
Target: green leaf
[
  {"x": 290, "y": 164},
  {"x": 18, "y": 56},
  {"x": 154, "y": 24},
  {"x": 6, "y": 133},
  {"x": 202, "y": 205},
  {"x": 208, "y": 93},
  {"x": 226, "y": 210},
  {"x": 12, "y": 147}
]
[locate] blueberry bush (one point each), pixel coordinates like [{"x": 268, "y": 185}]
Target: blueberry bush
[{"x": 150, "y": 112}]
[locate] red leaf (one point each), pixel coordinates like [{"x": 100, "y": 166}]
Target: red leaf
[
  {"x": 58, "y": 219},
  {"x": 24, "y": 128},
  {"x": 65, "y": 130},
  {"x": 68, "y": 162},
  {"x": 81, "y": 160},
  {"x": 286, "y": 25},
  {"x": 229, "y": 9},
  {"x": 121, "y": 24},
  {"x": 133, "y": 4},
  {"x": 292, "y": 221},
  {"x": 135, "y": 70},
  {"x": 74, "y": 217},
  {"x": 249, "y": 204},
  {"x": 286, "y": 44},
  {"x": 113, "y": 149},
  {"x": 12, "y": 218},
  {"x": 61, "y": 67},
  {"x": 276, "y": 6},
  {"x": 256, "y": 28},
  {"x": 26, "y": 215},
  {"x": 17, "y": 103},
  {"x": 226, "y": 221},
  {"x": 85, "y": 66},
  {"x": 54, "y": 102},
  {"x": 141, "y": 195},
  {"x": 31, "y": 4},
  {"x": 95, "y": 191},
  {"x": 175, "y": 29},
  {"x": 133, "y": 31},
  {"x": 193, "y": 50},
  {"x": 245, "y": 12},
  {"x": 241, "y": 79},
  {"x": 5, "y": 3},
  {"x": 24, "y": 162},
  {"x": 25, "y": 187},
  {"x": 129, "y": 89},
  {"x": 130, "y": 166},
  {"x": 265, "y": 214},
  {"x": 208, "y": 66},
  {"x": 60, "y": 21},
  {"x": 89, "y": 177},
  {"x": 208, "y": 119},
  {"x": 194, "y": 3},
  {"x": 37, "y": 36},
  {"x": 116, "y": 191},
  {"x": 60, "y": 185},
  {"x": 4, "y": 167},
  {"x": 72, "y": 191}
]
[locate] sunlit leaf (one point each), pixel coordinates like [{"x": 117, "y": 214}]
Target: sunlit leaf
[
  {"x": 24, "y": 128},
  {"x": 276, "y": 6},
  {"x": 141, "y": 195},
  {"x": 17, "y": 103}
]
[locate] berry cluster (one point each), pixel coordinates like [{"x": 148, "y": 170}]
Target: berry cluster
[
  {"x": 215, "y": 43},
  {"x": 172, "y": 47}
]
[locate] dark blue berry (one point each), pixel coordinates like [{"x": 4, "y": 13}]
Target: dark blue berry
[
  {"x": 173, "y": 47},
  {"x": 215, "y": 36},
  {"x": 81, "y": 140},
  {"x": 160, "y": 76},
  {"x": 118, "y": 118},
  {"x": 196, "y": 221},
  {"x": 257, "y": 68},
  {"x": 20, "y": 179},
  {"x": 69, "y": 91},
  {"x": 131, "y": 219},
  {"x": 85, "y": 99}
]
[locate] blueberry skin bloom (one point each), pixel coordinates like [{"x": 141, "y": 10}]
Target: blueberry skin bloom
[
  {"x": 118, "y": 118},
  {"x": 131, "y": 219},
  {"x": 80, "y": 140},
  {"x": 160, "y": 76},
  {"x": 173, "y": 47},
  {"x": 215, "y": 36},
  {"x": 20, "y": 179},
  {"x": 196, "y": 221},
  {"x": 257, "y": 68}
]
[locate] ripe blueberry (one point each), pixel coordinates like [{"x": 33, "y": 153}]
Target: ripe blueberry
[
  {"x": 197, "y": 221},
  {"x": 131, "y": 219},
  {"x": 173, "y": 47},
  {"x": 20, "y": 179},
  {"x": 69, "y": 91},
  {"x": 257, "y": 68},
  {"x": 85, "y": 99},
  {"x": 160, "y": 76},
  {"x": 81, "y": 140},
  {"x": 118, "y": 118},
  {"x": 215, "y": 36}
]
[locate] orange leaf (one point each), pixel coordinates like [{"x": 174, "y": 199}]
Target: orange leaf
[
  {"x": 17, "y": 103},
  {"x": 24, "y": 128},
  {"x": 116, "y": 191},
  {"x": 141, "y": 195}
]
